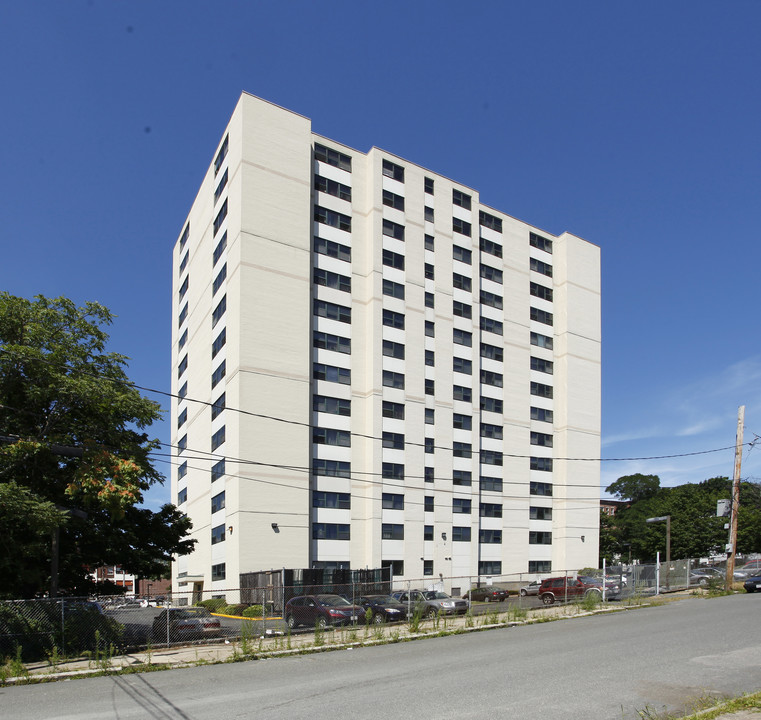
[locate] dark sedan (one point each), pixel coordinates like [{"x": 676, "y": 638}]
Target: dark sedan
[
  {"x": 489, "y": 593},
  {"x": 753, "y": 584},
  {"x": 188, "y": 623},
  {"x": 321, "y": 611},
  {"x": 383, "y": 608}
]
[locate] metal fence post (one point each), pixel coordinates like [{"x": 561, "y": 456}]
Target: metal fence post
[{"x": 658, "y": 573}]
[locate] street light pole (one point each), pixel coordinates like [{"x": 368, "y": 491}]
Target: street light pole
[{"x": 667, "y": 518}]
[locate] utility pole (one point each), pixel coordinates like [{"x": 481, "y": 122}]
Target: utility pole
[{"x": 732, "y": 546}]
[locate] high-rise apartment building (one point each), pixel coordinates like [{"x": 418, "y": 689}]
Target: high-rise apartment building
[{"x": 372, "y": 368}]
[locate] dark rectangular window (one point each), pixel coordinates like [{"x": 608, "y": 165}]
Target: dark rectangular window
[
  {"x": 393, "y": 349},
  {"x": 430, "y": 415},
  {"x": 218, "y": 374},
  {"x": 428, "y": 214},
  {"x": 430, "y": 358},
  {"x": 331, "y": 436},
  {"x": 390, "y": 531},
  {"x": 488, "y": 377},
  {"x": 393, "y": 319},
  {"x": 429, "y": 386},
  {"x": 461, "y": 281},
  {"x": 491, "y": 404},
  {"x": 460, "y": 534},
  {"x": 222, "y": 154},
  {"x": 396, "y": 172},
  {"x": 539, "y": 538},
  {"x": 462, "y": 422},
  {"x": 540, "y": 365},
  {"x": 540, "y": 513},
  {"x": 332, "y": 218},
  {"x": 429, "y": 446},
  {"x": 490, "y": 299},
  {"x": 332, "y": 249},
  {"x": 220, "y": 248},
  {"x": 182, "y": 367},
  {"x": 182, "y": 418},
  {"x": 330, "y": 531},
  {"x": 182, "y": 444},
  {"x": 490, "y": 273},
  {"x": 182, "y": 496},
  {"x": 489, "y": 221},
  {"x": 429, "y": 271},
  {"x": 218, "y": 571},
  {"x": 493, "y": 352},
  {"x": 462, "y": 254},
  {"x": 219, "y": 311},
  {"x": 428, "y": 503},
  {"x": 218, "y": 343},
  {"x": 183, "y": 316},
  {"x": 540, "y": 242},
  {"x": 541, "y": 267},
  {"x": 337, "y": 500},
  {"x": 490, "y": 247},
  {"x": 221, "y": 277},
  {"x": 394, "y": 230},
  {"x": 491, "y": 484},
  {"x": 429, "y": 300},
  {"x": 221, "y": 215},
  {"x": 334, "y": 406},
  {"x": 332, "y": 157},
  {"x": 183, "y": 340},
  {"x": 332, "y": 280},
  {"x": 326, "y": 341},
  {"x": 540, "y": 291},
  {"x": 460, "y": 226},
  {"x": 461, "y": 309},
  {"x": 460, "y": 392},
  {"x": 541, "y": 390},
  {"x": 332, "y": 311},
  {"x": 392, "y": 379},
  {"x": 463, "y": 478},
  {"x": 491, "y": 457},
  {"x": 393, "y": 410},
  {"x": 184, "y": 288},
  {"x": 428, "y": 184},
  {"x": 218, "y": 502},
  {"x": 392, "y": 471},
  {"x": 218, "y": 534},
  {"x": 331, "y": 468},
  {"x": 541, "y": 340},
  {"x": 490, "y": 537},
  {"x": 182, "y": 470},
  {"x": 461, "y": 199},
  {"x": 539, "y": 566},
  {"x": 462, "y": 449},
  {"x": 217, "y": 470},
  {"x": 331, "y": 187},
  {"x": 220, "y": 187},
  {"x": 393, "y": 200},
  {"x": 460, "y": 506},
  {"x": 396, "y": 567},
  {"x": 490, "y": 325},
  {"x": 541, "y": 439},
  {"x": 218, "y": 406},
  {"x": 541, "y": 414},
  {"x": 184, "y": 262},
  {"x": 427, "y": 567},
  {"x": 392, "y": 501},
  {"x": 543, "y": 464},
  {"x": 217, "y": 438},
  {"x": 489, "y": 430},
  {"x": 331, "y": 373},
  {"x": 427, "y": 532},
  {"x": 490, "y": 567},
  {"x": 393, "y": 289},
  {"x": 428, "y": 474},
  {"x": 393, "y": 260},
  {"x": 430, "y": 328},
  {"x": 538, "y": 488},
  {"x": 461, "y": 365},
  {"x": 462, "y": 337},
  {"x": 393, "y": 441},
  {"x": 491, "y": 510},
  {"x": 185, "y": 236}
]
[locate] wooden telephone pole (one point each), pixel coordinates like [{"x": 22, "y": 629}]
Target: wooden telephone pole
[{"x": 732, "y": 547}]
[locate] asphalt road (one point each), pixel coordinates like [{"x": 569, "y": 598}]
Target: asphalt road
[{"x": 605, "y": 667}]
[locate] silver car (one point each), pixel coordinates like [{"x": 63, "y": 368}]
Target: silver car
[
  {"x": 429, "y": 603},
  {"x": 531, "y": 589}
]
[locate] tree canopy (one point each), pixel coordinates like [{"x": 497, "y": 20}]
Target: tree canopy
[
  {"x": 696, "y": 531},
  {"x": 73, "y": 438}
]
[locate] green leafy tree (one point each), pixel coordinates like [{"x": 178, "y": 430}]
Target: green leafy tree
[
  {"x": 635, "y": 487},
  {"x": 73, "y": 431}
]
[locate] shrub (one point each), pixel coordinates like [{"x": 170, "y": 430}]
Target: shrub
[
  {"x": 232, "y": 609},
  {"x": 253, "y": 611},
  {"x": 212, "y": 605}
]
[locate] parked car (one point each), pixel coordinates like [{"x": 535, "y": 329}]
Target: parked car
[
  {"x": 488, "y": 593},
  {"x": 753, "y": 584},
  {"x": 321, "y": 611},
  {"x": 702, "y": 576},
  {"x": 752, "y": 567},
  {"x": 430, "y": 603},
  {"x": 383, "y": 608},
  {"x": 565, "y": 588},
  {"x": 612, "y": 586},
  {"x": 531, "y": 589},
  {"x": 185, "y": 623}
]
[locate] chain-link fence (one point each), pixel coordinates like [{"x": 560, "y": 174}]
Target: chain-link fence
[{"x": 42, "y": 629}]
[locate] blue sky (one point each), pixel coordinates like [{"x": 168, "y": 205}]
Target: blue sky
[{"x": 633, "y": 125}]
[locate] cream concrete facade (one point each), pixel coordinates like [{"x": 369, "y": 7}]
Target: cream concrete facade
[{"x": 405, "y": 371}]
